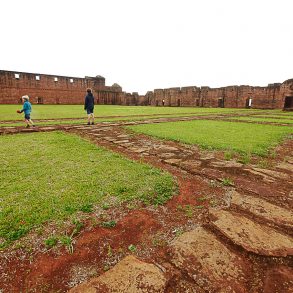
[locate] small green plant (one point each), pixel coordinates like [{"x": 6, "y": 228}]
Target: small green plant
[
  {"x": 202, "y": 199},
  {"x": 67, "y": 242},
  {"x": 87, "y": 208},
  {"x": 94, "y": 221},
  {"x": 132, "y": 248},
  {"x": 132, "y": 205},
  {"x": 159, "y": 241},
  {"x": 245, "y": 158},
  {"x": 187, "y": 209},
  {"x": 109, "y": 224},
  {"x": 178, "y": 232},
  {"x": 273, "y": 154},
  {"x": 51, "y": 242},
  {"x": 110, "y": 253},
  {"x": 228, "y": 156},
  {"x": 263, "y": 164},
  {"x": 227, "y": 182},
  {"x": 105, "y": 206},
  {"x": 122, "y": 190},
  {"x": 199, "y": 207},
  {"x": 77, "y": 228}
]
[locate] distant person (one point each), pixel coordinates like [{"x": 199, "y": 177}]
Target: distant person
[
  {"x": 27, "y": 109},
  {"x": 89, "y": 104},
  {"x": 163, "y": 102}
]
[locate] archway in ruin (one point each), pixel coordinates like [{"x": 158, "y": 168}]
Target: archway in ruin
[{"x": 288, "y": 105}]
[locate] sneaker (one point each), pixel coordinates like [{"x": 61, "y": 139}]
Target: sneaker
[
  {"x": 33, "y": 125},
  {"x": 93, "y": 123},
  {"x": 88, "y": 123},
  {"x": 27, "y": 126}
]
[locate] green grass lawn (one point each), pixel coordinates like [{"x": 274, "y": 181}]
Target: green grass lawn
[
  {"x": 105, "y": 119},
  {"x": 46, "y": 177},
  {"x": 8, "y": 112},
  {"x": 241, "y": 137},
  {"x": 281, "y": 116},
  {"x": 264, "y": 119}
]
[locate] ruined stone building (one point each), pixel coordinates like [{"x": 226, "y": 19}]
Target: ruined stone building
[
  {"x": 54, "y": 89},
  {"x": 274, "y": 96}
]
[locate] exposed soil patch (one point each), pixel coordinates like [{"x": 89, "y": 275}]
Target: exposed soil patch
[{"x": 189, "y": 239}]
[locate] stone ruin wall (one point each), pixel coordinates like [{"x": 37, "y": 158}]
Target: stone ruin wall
[
  {"x": 55, "y": 89},
  {"x": 71, "y": 90},
  {"x": 270, "y": 97}
]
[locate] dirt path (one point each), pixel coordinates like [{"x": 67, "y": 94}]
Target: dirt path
[{"x": 228, "y": 230}]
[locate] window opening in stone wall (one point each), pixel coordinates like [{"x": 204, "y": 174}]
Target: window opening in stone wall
[
  {"x": 55, "y": 78},
  {"x": 40, "y": 100},
  {"x": 37, "y": 77},
  {"x": 16, "y": 75},
  {"x": 71, "y": 80},
  {"x": 221, "y": 102},
  {"x": 248, "y": 102}
]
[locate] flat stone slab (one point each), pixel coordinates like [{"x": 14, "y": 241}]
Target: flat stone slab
[
  {"x": 138, "y": 150},
  {"x": 129, "y": 275},
  {"x": 123, "y": 136},
  {"x": 127, "y": 144},
  {"x": 83, "y": 127},
  {"x": 47, "y": 128},
  {"x": 251, "y": 236},
  {"x": 285, "y": 166},
  {"x": 278, "y": 175},
  {"x": 103, "y": 129},
  {"x": 30, "y": 130},
  {"x": 166, "y": 148},
  {"x": 121, "y": 141},
  {"x": 109, "y": 138},
  {"x": 264, "y": 209},
  {"x": 265, "y": 177},
  {"x": 191, "y": 164},
  {"x": 167, "y": 155},
  {"x": 227, "y": 164},
  {"x": 207, "y": 156},
  {"x": 209, "y": 262},
  {"x": 173, "y": 161}
]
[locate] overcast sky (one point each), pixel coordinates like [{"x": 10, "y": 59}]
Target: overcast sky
[{"x": 148, "y": 44}]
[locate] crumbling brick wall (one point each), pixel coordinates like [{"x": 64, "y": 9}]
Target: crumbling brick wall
[
  {"x": 271, "y": 97},
  {"x": 50, "y": 89},
  {"x": 54, "y": 89}
]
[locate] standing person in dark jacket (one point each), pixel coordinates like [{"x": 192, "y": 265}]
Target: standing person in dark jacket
[{"x": 89, "y": 104}]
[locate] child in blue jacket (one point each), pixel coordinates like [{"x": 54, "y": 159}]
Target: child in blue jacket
[{"x": 27, "y": 108}]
